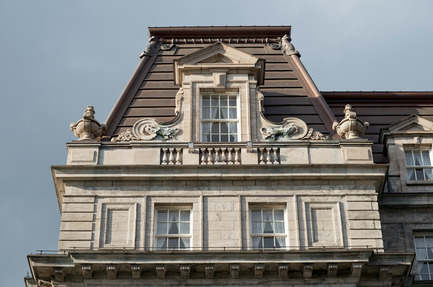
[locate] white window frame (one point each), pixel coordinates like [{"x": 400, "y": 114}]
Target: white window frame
[
  {"x": 263, "y": 235},
  {"x": 167, "y": 235},
  {"x": 236, "y": 120},
  {"x": 423, "y": 248},
  {"x": 421, "y": 169}
]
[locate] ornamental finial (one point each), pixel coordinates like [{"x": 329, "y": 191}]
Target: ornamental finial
[
  {"x": 350, "y": 127},
  {"x": 88, "y": 128}
]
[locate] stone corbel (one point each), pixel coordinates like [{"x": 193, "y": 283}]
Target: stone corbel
[
  {"x": 160, "y": 272},
  {"x": 234, "y": 271},
  {"x": 88, "y": 128},
  {"x": 350, "y": 127},
  {"x": 219, "y": 79}
]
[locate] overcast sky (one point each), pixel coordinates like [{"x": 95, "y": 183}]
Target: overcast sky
[{"x": 57, "y": 57}]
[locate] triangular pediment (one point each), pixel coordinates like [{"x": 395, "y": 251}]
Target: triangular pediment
[
  {"x": 410, "y": 125},
  {"x": 218, "y": 53}
]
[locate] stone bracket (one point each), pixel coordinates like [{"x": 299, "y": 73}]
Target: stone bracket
[
  {"x": 308, "y": 271},
  {"x": 185, "y": 271},
  {"x": 209, "y": 272},
  {"x": 160, "y": 271},
  {"x": 136, "y": 272},
  {"x": 332, "y": 270},
  {"x": 258, "y": 271},
  {"x": 234, "y": 271},
  {"x": 87, "y": 271},
  {"x": 283, "y": 271}
]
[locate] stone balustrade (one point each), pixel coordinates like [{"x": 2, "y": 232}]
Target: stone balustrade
[{"x": 220, "y": 155}]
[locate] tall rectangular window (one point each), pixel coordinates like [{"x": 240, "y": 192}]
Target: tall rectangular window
[
  {"x": 424, "y": 256},
  {"x": 268, "y": 228},
  {"x": 173, "y": 229},
  {"x": 418, "y": 164},
  {"x": 219, "y": 118}
]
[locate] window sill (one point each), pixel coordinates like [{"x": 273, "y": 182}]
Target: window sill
[{"x": 419, "y": 182}]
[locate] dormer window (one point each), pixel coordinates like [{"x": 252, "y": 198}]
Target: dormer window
[
  {"x": 219, "y": 118},
  {"x": 418, "y": 164}
]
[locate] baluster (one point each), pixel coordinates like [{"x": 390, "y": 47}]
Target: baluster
[
  {"x": 230, "y": 152},
  {"x": 203, "y": 156},
  {"x": 268, "y": 156},
  {"x": 275, "y": 156},
  {"x": 223, "y": 155},
  {"x": 164, "y": 156},
  {"x": 171, "y": 157},
  {"x": 262, "y": 155},
  {"x": 237, "y": 156},
  {"x": 178, "y": 155}
]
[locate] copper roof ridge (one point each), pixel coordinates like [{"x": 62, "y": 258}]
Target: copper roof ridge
[{"x": 219, "y": 31}]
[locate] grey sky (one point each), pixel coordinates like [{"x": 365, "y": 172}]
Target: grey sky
[{"x": 57, "y": 57}]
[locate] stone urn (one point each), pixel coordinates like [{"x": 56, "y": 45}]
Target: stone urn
[
  {"x": 88, "y": 128},
  {"x": 350, "y": 127}
]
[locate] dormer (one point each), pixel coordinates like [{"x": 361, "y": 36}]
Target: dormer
[
  {"x": 408, "y": 144},
  {"x": 217, "y": 83}
]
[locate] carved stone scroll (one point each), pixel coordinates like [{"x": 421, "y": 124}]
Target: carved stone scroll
[
  {"x": 147, "y": 129},
  {"x": 289, "y": 129}
]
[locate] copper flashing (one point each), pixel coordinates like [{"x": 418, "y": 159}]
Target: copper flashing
[
  {"x": 220, "y": 32},
  {"x": 378, "y": 95}
]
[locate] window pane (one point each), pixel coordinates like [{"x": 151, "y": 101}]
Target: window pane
[
  {"x": 184, "y": 215},
  {"x": 417, "y": 155},
  {"x": 232, "y": 101},
  {"x": 214, "y": 113},
  {"x": 411, "y": 174},
  {"x": 268, "y": 242},
  {"x": 279, "y": 214},
  {"x": 257, "y": 227},
  {"x": 205, "y": 127},
  {"x": 223, "y": 101},
  {"x": 267, "y": 214},
  {"x": 233, "y": 138},
  {"x": 162, "y": 215},
  {"x": 184, "y": 242},
  {"x": 161, "y": 228},
  {"x": 280, "y": 242},
  {"x": 214, "y": 101},
  {"x": 257, "y": 242},
  {"x": 419, "y": 174},
  {"x": 173, "y": 228},
  {"x": 161, "y": 242},
  {"x": 224, "y": 113},
  {"x": 173, "y": 242},
  {"x": 205, "y": 113},
  {"x": 173, "y": 215},
  {"x": 215, "y": 128},
  {"x": 206, "y": 138},
  {"x": 419, "y": 241},
  {"x": 224, "y": 128},
  {"x": 268, "y": 227},
  {"x": 184, "y": 228},
  {"x": 233, "y": 113},
  {"x": 409, "y": 157},
  {"x": 426, "y": 157},
  {"x": 428, "y": 241},
  {"x": 421, "y": 254},
  {"x": 256, "y": 214},
  {"x": 206, "y": 101},
  {"x": 224, "y": 138},
  {"x": 428, "y": 173},
  {"x": 279, "y": 227},
  {"x": 422, "y": 267},
  {"x": 215, "y": 138},
  {"x": 233, "y": 127}
]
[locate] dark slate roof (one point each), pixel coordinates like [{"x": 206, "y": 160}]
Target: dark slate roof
[
  {"x": 381, "y": 109},
  {"x": 151, "y": 90}
]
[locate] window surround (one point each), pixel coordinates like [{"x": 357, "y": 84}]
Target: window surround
[{"x": 424, "y": 165}]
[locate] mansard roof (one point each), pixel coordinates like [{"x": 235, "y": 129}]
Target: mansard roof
[{"x": 288, "y": 90}]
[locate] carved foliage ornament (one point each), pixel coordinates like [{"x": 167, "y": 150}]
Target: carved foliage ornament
[
  {"x": 88, "y": 128},
  {"x": 146, "y": 130},
  {"x": 350, "y": 127}
]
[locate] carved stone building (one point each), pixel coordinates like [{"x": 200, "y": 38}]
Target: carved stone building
[{"x": 223, "y": 164}]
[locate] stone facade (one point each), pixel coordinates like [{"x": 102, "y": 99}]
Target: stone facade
[{"x": 279, "y": 204}]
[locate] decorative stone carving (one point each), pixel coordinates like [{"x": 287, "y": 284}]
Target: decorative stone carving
[
  {"x": 88, "y": 128},
  {"x": 152, "y": 48},
  {"x": 289, "y": 129},
  {"x": 350, "y": 127},
  {"x": 147, "y": 129},
  {"x": 167, "y": 46},
  {"x": 275, "y": 46},
  {"x": 315, "y": 136},
  {"x": 288, "y": 47}
]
